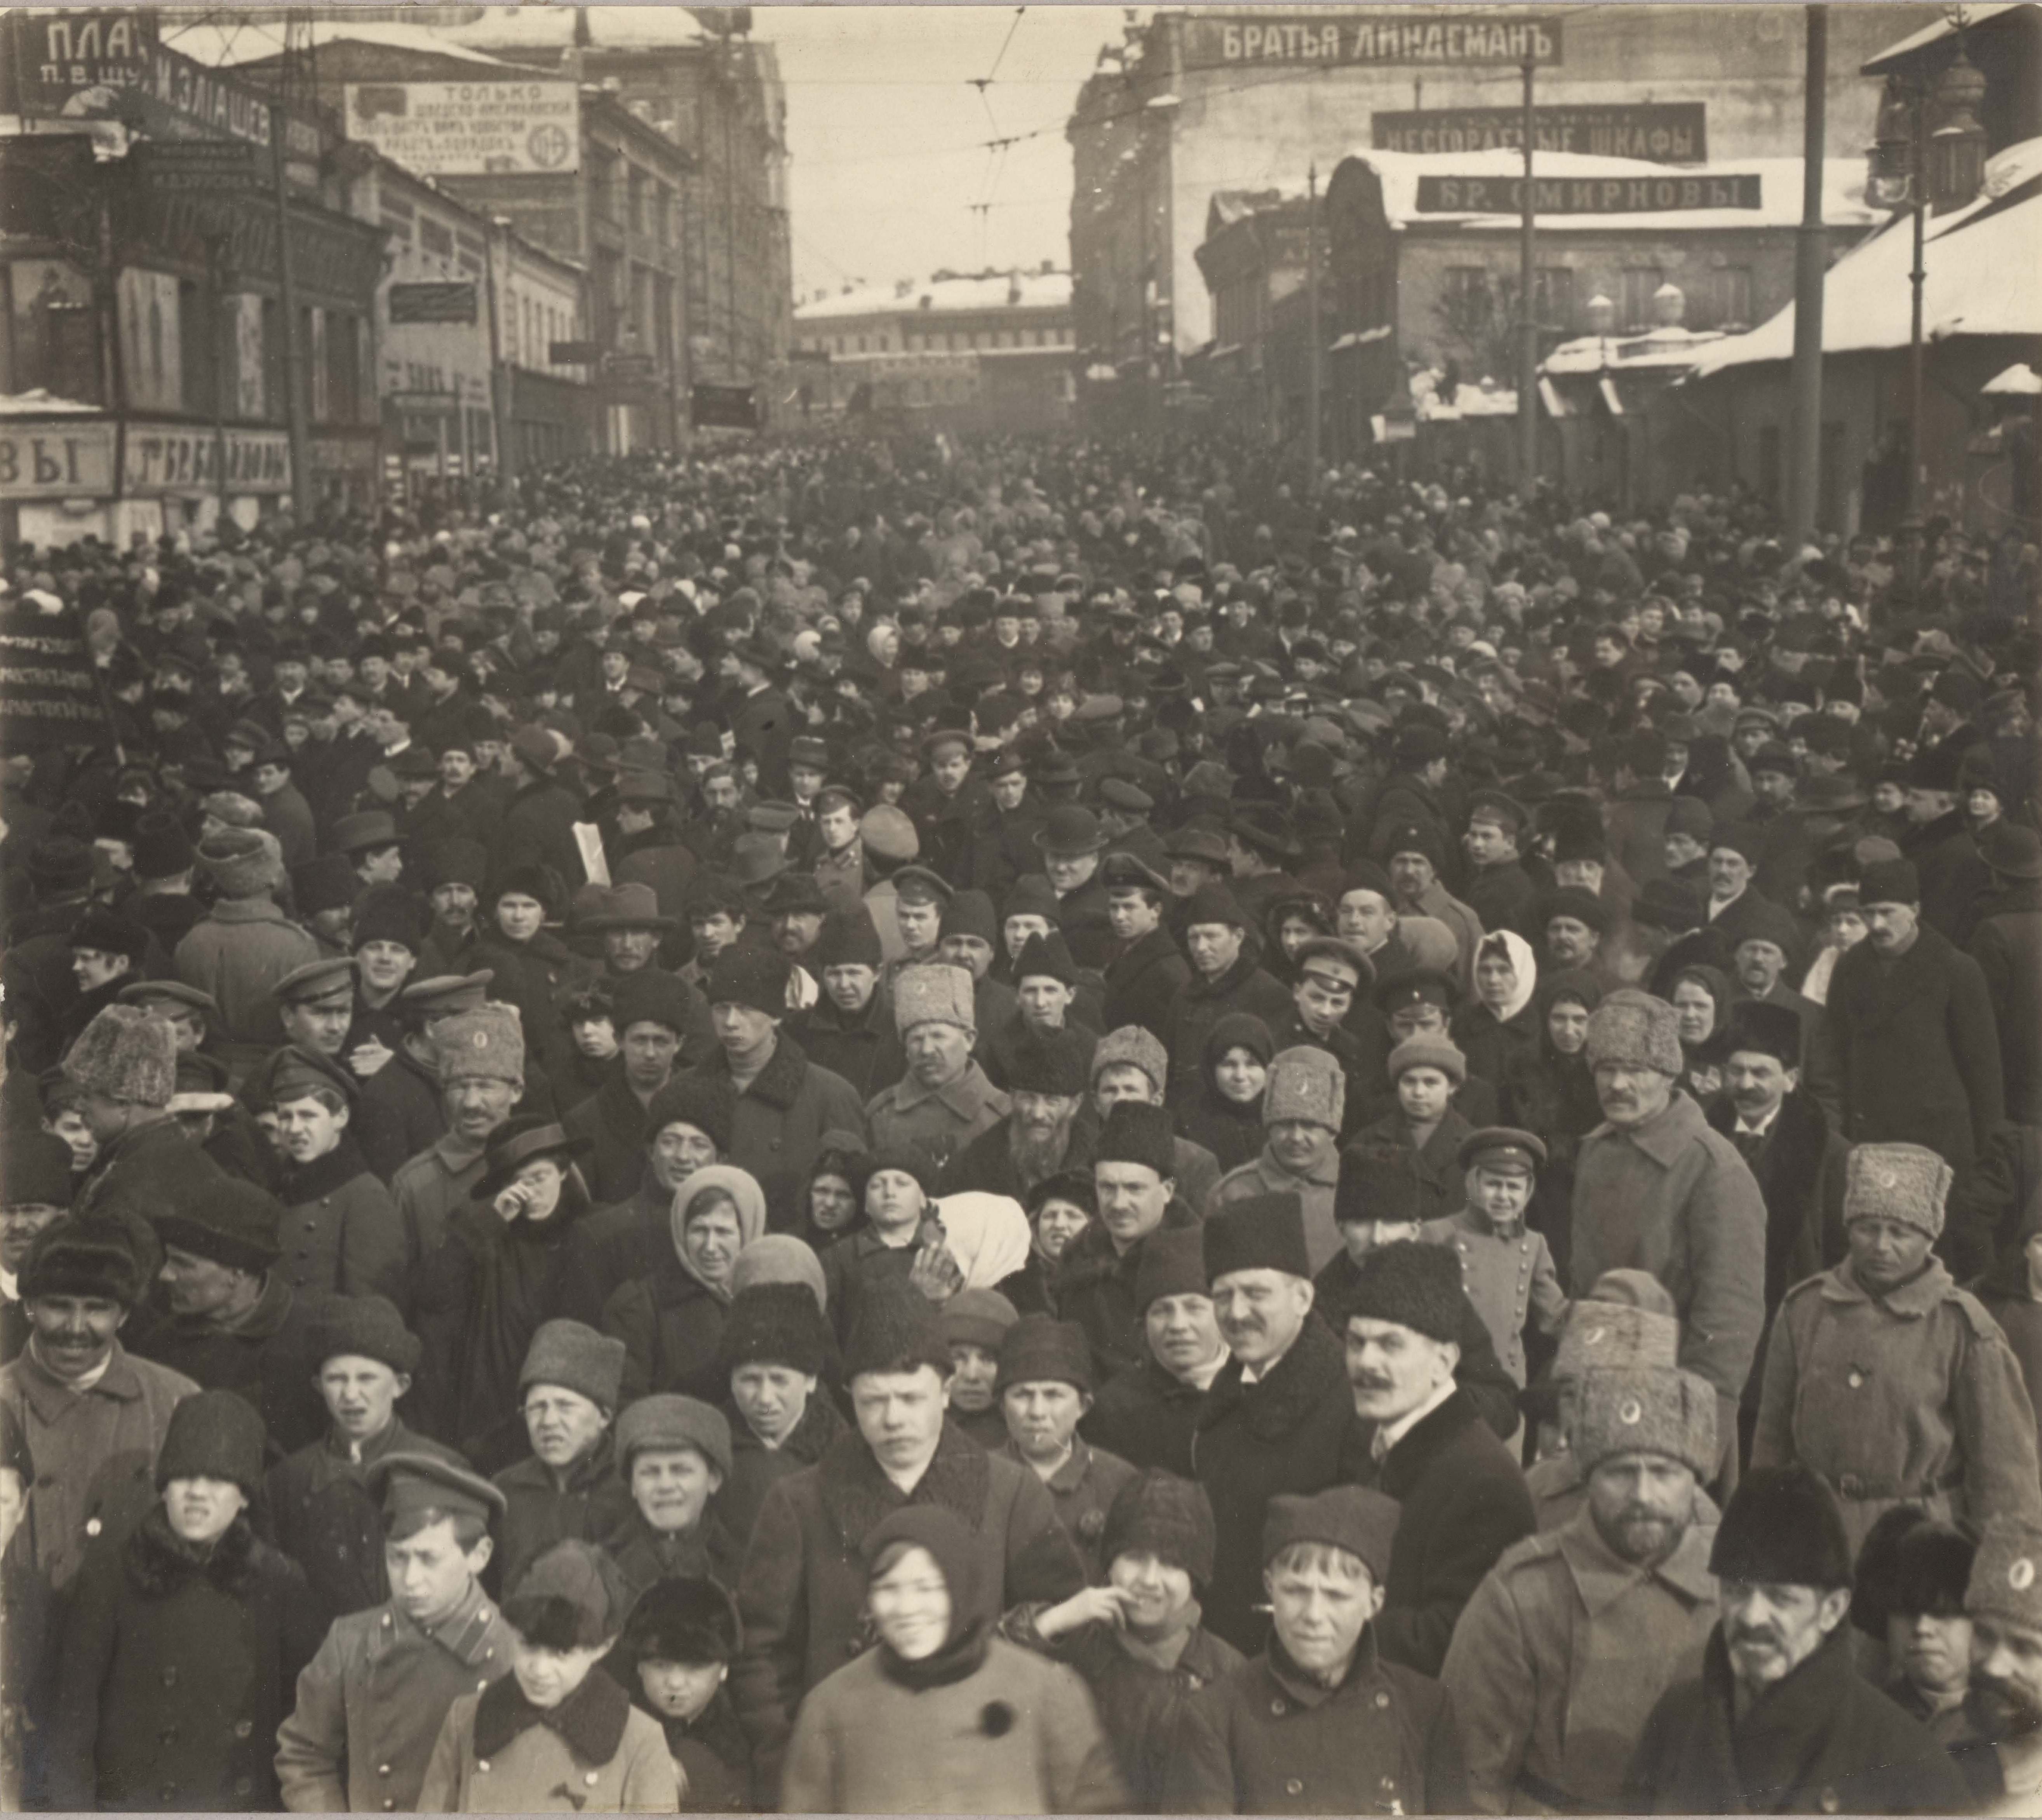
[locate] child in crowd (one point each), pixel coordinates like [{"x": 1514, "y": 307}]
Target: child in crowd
[
  {"x": 674, "y": 1660},
  {"x": 1428, "y": 1072},
  {"x": 975, "y": 1322}
]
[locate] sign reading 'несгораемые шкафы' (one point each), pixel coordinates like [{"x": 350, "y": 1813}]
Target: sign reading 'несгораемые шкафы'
[
  {"x": 1472, "y": 37},
  {"x": 1661, "y": 132},
  {"x": 1588, "y": 195}
]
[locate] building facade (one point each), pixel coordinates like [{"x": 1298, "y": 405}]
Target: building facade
[{"x": 989, "y": 350}]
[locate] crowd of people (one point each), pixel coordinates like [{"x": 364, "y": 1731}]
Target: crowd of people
[{"x": 1059, "y": 1127}]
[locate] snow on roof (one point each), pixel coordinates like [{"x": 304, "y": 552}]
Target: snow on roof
[
  {"x": 40, "y": 404},
  {"x": 1228, "y": 206},
  {"x": 987, "y": 291},
  {"x": 552, "y": 28},
  {"x": 1974, "y": 17},
  {"x": 1780, "y": 189},
  {"x": 2019, "y": 381},
  {"x": 221, "y": 47},
  {"x": 1980, "y": 263},
  {"x": 1670, "y": 345}
]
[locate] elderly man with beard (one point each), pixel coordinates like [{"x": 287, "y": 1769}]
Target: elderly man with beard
[
  {"x": 1656, "y": 1189},
  {"x": 1560, "y": 1656},
  {"x": 1046, "y": 1080},
  {"x": 1779, "y": 1719},
  {"x": 2004, "y": 1602}
]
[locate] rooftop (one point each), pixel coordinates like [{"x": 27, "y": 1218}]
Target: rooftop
[
  {"x": 222, "y": 47},
  {"x": 947, "y": 295},
  {"x": 552, "y": 28}
]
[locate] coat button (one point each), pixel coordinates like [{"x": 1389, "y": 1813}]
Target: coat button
[
  {"x": 244, "y": 1785},
  {"x": 382, "y": 1769},
  {"x": 593, "y": 1777},
  {"x": 244, "y": 1728},
  {"x": 1830, "y": 1804},
  {"x": 92, "y": 1525},
  {"x": 389, "y": 1807},
  {"x": 1389, "y": 1783},
  {"x": 1856, "y": 1380},
  {"x": 1382, "y": 1699},
  {"x": 1278, "y": 1708},
  {"x": 1293, "y": 1786},
  {"x": 386, "y": 1620},
  {"x": 482, "y": 1764},
  {"x": 170, "y": 1677}
]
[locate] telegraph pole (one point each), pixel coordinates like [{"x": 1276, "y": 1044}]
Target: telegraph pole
[
  {"x": 295, "y": 386},
  {"x": 1312, "y": 369},
  {"x": 1527, "y": 344},
  {"x": 1804, "y": 481}
]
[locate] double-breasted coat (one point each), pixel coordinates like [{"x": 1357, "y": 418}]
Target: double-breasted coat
[
  {"x": 595, "y": 1753},
  {"x": 1142, "y": 982},
  {"x": 371, "y": 1702},
  {"x": 340, "y": 1231},
  {"x": 1910, "y": 1397},
  {"x": 1559, "y": 1657},
  {"x": 1508, "y": 1276},
  {"x": 940, "y": 1120},
  {"x": 777, "y": 1123}
]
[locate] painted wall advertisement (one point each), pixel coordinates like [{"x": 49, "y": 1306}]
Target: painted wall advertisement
[
  {"x": 149, "y": 343},
  {"x": 470, "y": 129},
  {"x": 248, "y": 382},
  {"x": 56, "y": 460},
  {"x": 1466, "y": 37}
]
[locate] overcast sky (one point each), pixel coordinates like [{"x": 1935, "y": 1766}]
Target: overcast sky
[{"x": 887, "y": 134}]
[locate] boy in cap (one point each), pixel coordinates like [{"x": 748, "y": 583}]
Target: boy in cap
[
  {"x": 36, "y": 1182},
  {"x": 673, "y": 1454},
  {"x": 370, "y": 1703},
  {"x": 1569, "y": 1641},
  {"x": 1888, "y": 1380},
  {"x": 340, "y": 1230},
  {"x": 1427, "y": 1126},
  {"x": 674, "y": 1657},
  {"x": 1045, "y": 1391},
  {"x": 1303, "y": 1105},
  {"x": 363, "y": 1360},
  {"x": 1138, "y": 1638},
  {"x": 557, "y": 1734},
  {"x": 1320, "y": 1714},
  {"x": 1780, "y": 1716},
  {"x": 1506, "y": 1269},
  {"x": 775, "y": 1345}
]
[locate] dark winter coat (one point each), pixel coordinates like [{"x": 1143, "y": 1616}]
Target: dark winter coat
[
  {"x": 1464, "y": 1502},
  {"x": 590, "y": 1503},
  {"x": 2007, "y": 945},
  {"x": 399, "y": 1113},
  {"x": 1635, "y": 822},
  {"x": 538, "y": 829},
  {"x": 1442, "y": 1181},
  {"x": 2007, "y": 1296},
  {"x": 1492, "y": 1048},
  {"x": 801, "y": 1594},
  {"x": 609, "y": 1245},
  {"x": 340, "y": 1230},
  {"x": 1096, "y": 1289},
  {"x": 1244, "y": 987},
  {"x": 613, "y": 1122},
  {"x": 1822, "y": 1740},
  {"x": 858, "y": 1047},
  {"x": 756, "y": 1468},
  {"x": 1954, "y": 881},
  {"x": 1142, "y": 983},
  {"x": 1147, "y": 1418},
  {"x": 1506, "y": 896},
  {"x": 671, "y": 1325},
  {"x": 714, "y": 1754},
  {"x": 777, "y": 1123},
  {"x": 1142, "y": 1703},
  {"x": 646, "y": 1556},
  {"x": 1915, "y": 1043},
  {"x": 1285, "y": 1433},
  {"x": 1270, "y": 1739},
  {"x": 985, "y": 1165},
  {"x": 175, "y": 1672},
  {"x": 145, "y": 1173}
]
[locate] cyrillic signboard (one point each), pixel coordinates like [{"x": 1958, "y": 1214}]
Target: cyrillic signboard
[
  {"x": 1588, "y": 195},
  {"x": 724, "y": 408},
  {"x": 1662, "y": 132},
  {"x": 630, "y": 369},
  {"x": 470, "y": 129},
  {"x": 56, "y": 460},
  {"x": 63, "y": 53},
  {"x": 48, "y": 695},
  {"x": 206, "y": 166},
  {"x": 433, "y": 302},
  {"x": 177, "y": 458},
  {"x": 1228, "y": 40}
]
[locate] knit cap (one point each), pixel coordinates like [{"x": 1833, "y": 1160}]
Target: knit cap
[
  {"x": 1654, "y": 1410},
  {"x": 1258, "y": 1232},
  {"x": 364, "y": 1327},
  {"x": 571, "y": 1597},
  {"x": 1172, "y": 1262},
  {"x": 1306, "y": 1085},
  {"x": 1039, "y": 1349},
  {"x": 1136, "y": 1132},
  {"x": 243, "y": 861},
  {"x": 1901, "y": 1182},
  {"x": 668, "y": 1422},
  {"x": 1632, "y": 1028},
  {"x": 1132, "y": 1046},
  {"x": 217, "y": 1435},
  {"x": 575, "y": 1358},
  {"x": 780, "y": 1258},
  {"x": 934, "y": 993},
  {"x": 774, "y": 1324},
  {"x": 1166, "y": 1516},
  {"x": 235, "y": 1223},
  {"x": 2006, "y": 1573},
  {"x": 895, "y": 1330},
  {"x": 1355, "y": 1519},
  {"x": 126, "y": 1053},
  {"x": 1625, "y": 1322},
  {"x": 485, "y": 1044},
  {"x": 1412, "y": 1284},
  {"x": 1423, "y": 1051},
  {"x": 978, "y": 1317}
]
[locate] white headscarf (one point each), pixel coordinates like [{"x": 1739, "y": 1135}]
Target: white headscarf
[
  {"x": 988, "y": 1235},
  {"x": 1523, "y": 963}
]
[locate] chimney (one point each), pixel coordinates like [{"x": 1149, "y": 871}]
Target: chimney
[
  {"x": 1014, "y": 287},
  {"x": 1670, "y": 305}
]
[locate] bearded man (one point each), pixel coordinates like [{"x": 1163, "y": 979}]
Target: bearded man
[{"x": 1048, "y": 1071}]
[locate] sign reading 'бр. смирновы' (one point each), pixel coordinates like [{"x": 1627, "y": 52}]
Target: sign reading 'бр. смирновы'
[
  {"x": 1227, "y": 39},
  {"x": 1588, "y": 195}
]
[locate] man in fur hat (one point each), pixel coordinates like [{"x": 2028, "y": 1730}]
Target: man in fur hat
[
  {"x": 945, "y": 1100},
  {"x": 2003, "y": 1600},
  {"x": 1888, "y": 1380},
  {"x": 246, "y": 944},
  {"x": 123, "y": 1068},
  {"x": 1303, "y": 1108},
  {"x": 1780, "y": 1717},
  {"x": 1566, "y": 1646},
  {"x": 1656, "y": 1189}
]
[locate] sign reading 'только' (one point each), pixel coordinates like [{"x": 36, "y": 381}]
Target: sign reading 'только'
[
  {"x": 1228, "y": 40},
  {"x": 1588, "y": 195}
]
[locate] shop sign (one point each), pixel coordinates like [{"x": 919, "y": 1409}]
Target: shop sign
[
  {"x": 1469, "y": 39},
  {"x": 182, "y": 458},
  {"x": 342, "y": 455},
  {"x": 49, "y": 691},
  {"x": 1661, "y": 132},
  {"x": 439, "y": 302},
  {"x": 56, "y": 460},
  {"x": 1588, "y": 195},
  {"x": 470, "y": 129},
  {"x": 724, "y": 408}
]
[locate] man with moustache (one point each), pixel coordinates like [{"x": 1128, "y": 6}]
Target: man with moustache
[
  {"x": 1047, "y": 1076},
  {"x": 1564, "y": 1649},
  {"x": 2004, "y": 1602},
  {"x": 1779, "y": 1719}
]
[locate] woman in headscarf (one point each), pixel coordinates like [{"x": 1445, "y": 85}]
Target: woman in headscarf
[
  {"x": 672, "y": 1321},
  {"x": 1701, "y": 999},
  {"x": 997, "y": 1728},
  {"x": 1553, "y": 1093},
  {"x": 1060, "y": 1208},
  {"x": 495, "y": 1279},
  {"x": 986, "y": 1239},
  {"x": 833, "y": 1202},
  {"x": 1225, "y": 1115},
  {"x": 1501, "y": 1025}
]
